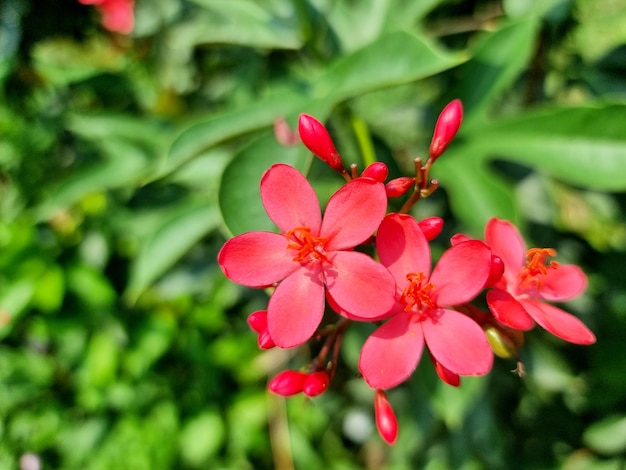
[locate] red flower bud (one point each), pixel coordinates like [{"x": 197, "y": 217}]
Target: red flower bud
[
  {"x": 284, "y": 135},
  {"x": 459, "y": 238},
  {"x": 265, "y": 341},
  {"x": 445, "y": 374},
  {"x": 316, "y": 383},
  {"x": 399, "y": 186},
  {"x": 496, "y": 272},
  {"x": 431, "y": 227},
  {"x": 377, "y": 171},
  {"x": 446, "y": 128},
  {"x": 287, "y": 383},
  {"x": 386, "y": 421},
  {"x": 317, "y": 139},
  {"x": 257, "y": 321}
]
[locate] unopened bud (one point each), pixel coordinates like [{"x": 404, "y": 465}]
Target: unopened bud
[
  {"x": 459, "y": 238},
  {"x": 386, "y": 421},
  {"x": 431, "y": 227},
  {"x": 496, "y": 271},
  {"x": 287, "y": 383},
  {"x": 316, "y": 383},
  {"x": 445, "y": 374},
  {"x": 265, "y": 341},
  {"x": 283, "y": 133},
  {"x": 377, "y": 171},
  {"x": 504, "y": 341},
  {"x": 257, "y": 321},
  {"x": 446, "y": 128},
  {"x": 399, "y": 186},
  {"x": 317, "y": 139}
]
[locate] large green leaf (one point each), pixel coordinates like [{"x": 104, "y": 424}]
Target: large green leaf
[
  {"x": 393, "y": 59},
  {"x": 497, "y": 60},
  {"x": 169, "y": 241},
  {"x": 239, "y": 197},
  {"x": 584, "y": 145}
]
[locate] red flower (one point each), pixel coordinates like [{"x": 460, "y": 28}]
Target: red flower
[
  {"x": 529, "y": 279},
  {"x": 312, "y": 256},
  {"x": 456, "y": 342}
]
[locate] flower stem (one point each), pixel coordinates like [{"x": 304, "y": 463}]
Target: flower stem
[{"x": 364, "y": 140}]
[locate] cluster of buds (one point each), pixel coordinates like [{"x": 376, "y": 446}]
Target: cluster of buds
[{"x": 322, "y": 284}]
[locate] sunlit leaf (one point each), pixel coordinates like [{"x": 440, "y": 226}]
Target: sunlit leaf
[
  {"x": 583, "y": 145},
  {"x": 393, "y": 59}
]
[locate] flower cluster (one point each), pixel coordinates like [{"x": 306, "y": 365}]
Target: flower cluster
[
  {"x": 117, "y": 15},
  {"x": 323, "y": 277}
]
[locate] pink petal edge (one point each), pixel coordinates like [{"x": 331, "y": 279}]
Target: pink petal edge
[
  {"x": 457, "y": 342},
  {"x": 391, "y": 354},
  {"x": 353, "y": 213},
  {"x": 296, "y": 308},
  {"x": 289, "y": 199},
  {"x": 256, "y": 259}
]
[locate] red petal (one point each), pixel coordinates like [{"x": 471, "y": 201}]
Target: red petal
[
  {"x": 392, "y": 352},
  {"x": 559, "y": 322},
  {"x": 256, "y": 259},
  {"x": 296, "y": 308},
  {"x": 402, "y": 247},
  {"x": 359, "y": 285},
  {"x": 457, "y": 342},
  {"x": 508, "y": 311},
  {"x": 289, "y": 199},
  {"x": 461, "y": 273},
  {"x": 563, "y": 283},
  {"x": 508, "y": 244},
  {"x": 353, "y": 213}
]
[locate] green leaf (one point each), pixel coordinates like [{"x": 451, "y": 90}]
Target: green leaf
[
  {"x": 239, "y": 196},
  {"x": 62, "y": 61},
  {"x": 476, "y": 194},
  {"x": 356, "y": 24},
  {"x": 201, "y": 438},
  {"x": 169, "y": 241},
  {"x": 583, "y": 145},
  {"x": 498, "y": 58},
  {"x": 374, "y": 66},
  {"x": 124, "y": 164},
  {"x": 607, "y": 436},
  {"x": 242, "y": 22}
]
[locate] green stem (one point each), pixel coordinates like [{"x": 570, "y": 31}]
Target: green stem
[{"x": 364, "y": 140}]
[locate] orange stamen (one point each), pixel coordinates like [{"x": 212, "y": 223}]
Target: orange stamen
[
  {"x": 308, "y": 247},
  {"x": 537, "y": 266},
  {"x": 417, "y": 294}
]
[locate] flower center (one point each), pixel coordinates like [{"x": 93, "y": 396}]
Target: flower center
[
  {"x": 308, "y": 248},
  {"x": 417, "y": 294},
  {"x": 537, "y": 266}
]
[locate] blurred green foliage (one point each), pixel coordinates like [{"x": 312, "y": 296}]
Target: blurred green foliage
[{"x": 126, "y": 161}]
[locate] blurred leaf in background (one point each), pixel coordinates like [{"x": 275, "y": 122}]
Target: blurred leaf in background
[{"x": 126, "y": 160}]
